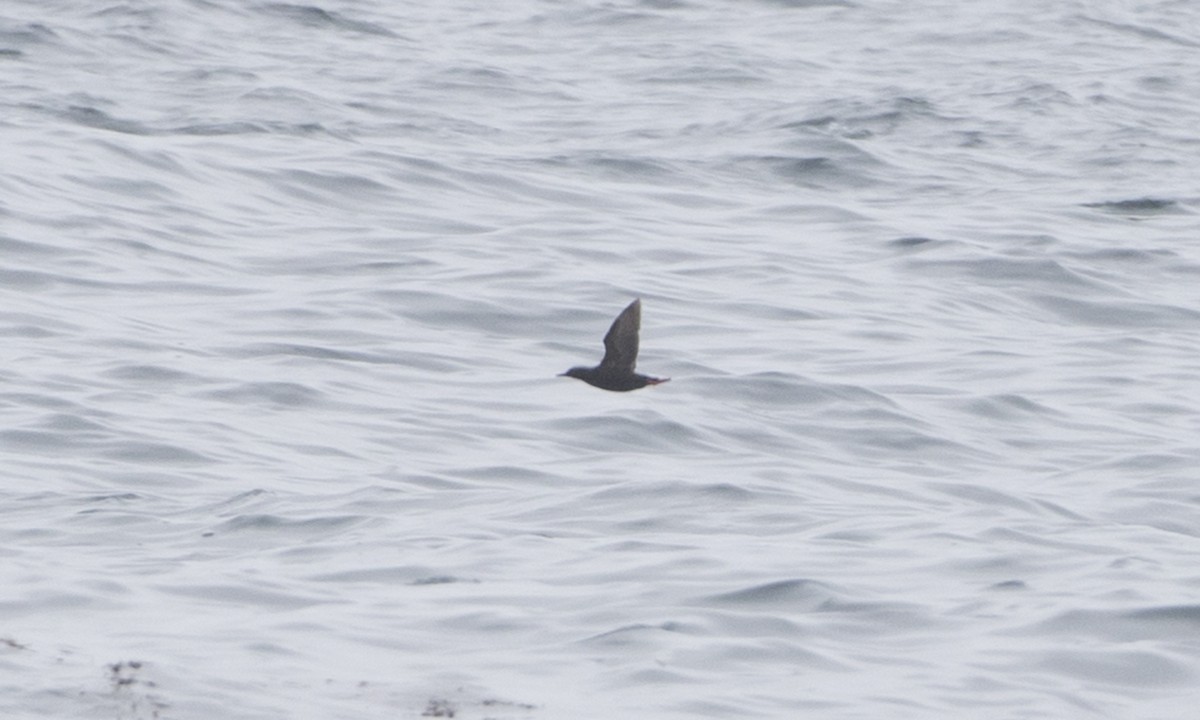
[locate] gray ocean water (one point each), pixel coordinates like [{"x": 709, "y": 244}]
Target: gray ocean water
[{"x": 284, "y": 288}]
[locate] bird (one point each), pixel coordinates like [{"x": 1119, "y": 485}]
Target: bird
[{"x": 615, "y": 371}]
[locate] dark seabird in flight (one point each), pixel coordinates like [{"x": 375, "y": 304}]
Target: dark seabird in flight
[{"x": 615, "y": 371}]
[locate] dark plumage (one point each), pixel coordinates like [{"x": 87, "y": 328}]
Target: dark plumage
[{"x": 615, "y": 371}]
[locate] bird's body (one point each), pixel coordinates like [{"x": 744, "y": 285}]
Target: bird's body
[{"x": 615, "y": 371}]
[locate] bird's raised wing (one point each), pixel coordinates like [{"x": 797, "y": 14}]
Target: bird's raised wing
[{"x": 621, "y": 342}]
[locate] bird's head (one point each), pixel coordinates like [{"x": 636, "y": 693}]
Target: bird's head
[{"x": 576, "y": 372}]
